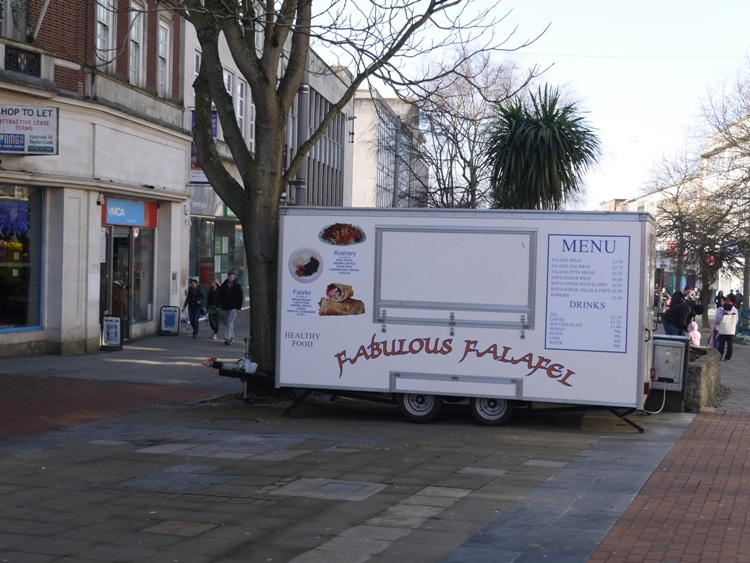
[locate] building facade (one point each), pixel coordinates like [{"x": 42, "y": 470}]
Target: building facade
[
  {"x": 94, "y": 161},
  {"x": 388, "y": 169},
  {"x": 104, "y": 210}
]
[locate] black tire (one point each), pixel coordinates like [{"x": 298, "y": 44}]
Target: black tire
[
  {"x": 419, "y": 407},
  {"x": 491, "y": 412}
]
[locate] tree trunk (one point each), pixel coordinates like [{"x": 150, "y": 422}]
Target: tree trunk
[
  {"x": 260, "y": 227},
  {"x": 260, "y": 249}
]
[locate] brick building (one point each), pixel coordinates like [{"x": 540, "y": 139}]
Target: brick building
[{"x": 94, "y": 159}]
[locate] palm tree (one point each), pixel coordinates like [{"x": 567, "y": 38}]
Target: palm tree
[{"x": 538, "y": 152}]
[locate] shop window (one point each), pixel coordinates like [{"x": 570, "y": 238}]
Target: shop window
[
  {"x": 20, "y": 256},
  {"x": 202, "y": 251},
  {"x": 143, "y": 274}
]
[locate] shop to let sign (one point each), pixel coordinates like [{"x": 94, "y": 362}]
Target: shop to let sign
[{"x": 28, "y": 129}]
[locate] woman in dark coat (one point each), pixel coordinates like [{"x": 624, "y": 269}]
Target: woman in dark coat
[
  {"x": 195, "y": 300},
  {"x": 719, "y": 299},
  {"x": 213, "y": 306}
]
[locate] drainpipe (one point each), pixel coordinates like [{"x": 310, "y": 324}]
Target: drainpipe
[
  {"x": 39, "y": 21},
  {"x": 303, "y": 122},
  {"x": 397, "y": 162}
]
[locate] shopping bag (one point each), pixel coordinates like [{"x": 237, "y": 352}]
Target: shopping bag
[
  {"x": 714, "y": 340},
  {"x": 184, "y": 321}
]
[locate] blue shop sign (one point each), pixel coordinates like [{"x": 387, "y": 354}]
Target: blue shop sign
[{"x": 125, "y": 212}]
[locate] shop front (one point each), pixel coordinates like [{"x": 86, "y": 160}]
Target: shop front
[
  {"x": 128, "y": 240},
  {"x": 216, "y": 240}
]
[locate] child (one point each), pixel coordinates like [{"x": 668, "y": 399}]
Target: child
[{"x": 694, "y": 334}]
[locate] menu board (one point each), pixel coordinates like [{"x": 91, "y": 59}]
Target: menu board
[{"x": 587, "y": 293}]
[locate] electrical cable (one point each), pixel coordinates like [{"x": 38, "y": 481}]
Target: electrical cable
[{"x": 663, "y": 403}]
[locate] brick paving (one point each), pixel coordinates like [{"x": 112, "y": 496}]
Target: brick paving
[
  {"x": 696, "y": 505},
  {"x": 29, "y": 405}
]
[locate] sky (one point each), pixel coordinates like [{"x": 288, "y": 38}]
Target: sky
[{"x": 638, "y": 69}]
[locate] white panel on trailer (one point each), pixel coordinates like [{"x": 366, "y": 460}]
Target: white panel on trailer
[{"x": 436, "y": 286}]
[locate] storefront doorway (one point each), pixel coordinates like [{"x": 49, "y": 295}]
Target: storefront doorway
[
  {"x": 127, "y": 264},
  {"x": 116, "y": 276}
]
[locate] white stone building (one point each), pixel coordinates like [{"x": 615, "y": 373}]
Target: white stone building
[
  {"x": 94, "y": 161},
  {"x": 386, "y": 137}
]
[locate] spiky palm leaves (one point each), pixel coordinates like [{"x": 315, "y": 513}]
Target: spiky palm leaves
[{"x": 538, "y": 152}]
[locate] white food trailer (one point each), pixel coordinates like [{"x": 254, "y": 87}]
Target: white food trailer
[{"x": 498, "y": 307}]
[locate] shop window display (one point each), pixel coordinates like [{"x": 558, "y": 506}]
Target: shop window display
[{"x": 20, "y": 244}]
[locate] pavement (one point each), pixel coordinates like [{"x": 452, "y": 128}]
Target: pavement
[{"x": 145, "y": 455}]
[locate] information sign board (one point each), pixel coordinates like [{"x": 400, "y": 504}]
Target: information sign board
[
  {"x": 169, "y": 320},
  {"x": 111, "y": 334},
  {"x": 28, "y": 130}
]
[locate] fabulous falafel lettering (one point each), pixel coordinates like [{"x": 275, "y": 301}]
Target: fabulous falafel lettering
[
  {"x": 395, "y": 347},
  {"x": 402, "y": 347}
]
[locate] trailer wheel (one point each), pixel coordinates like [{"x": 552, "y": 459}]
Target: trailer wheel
[
  {"x": 491, "y": 412},
  {"x": 419, "y": 407}
]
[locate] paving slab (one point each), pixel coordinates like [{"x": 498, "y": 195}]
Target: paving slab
[{"x": 208, "y": 477}]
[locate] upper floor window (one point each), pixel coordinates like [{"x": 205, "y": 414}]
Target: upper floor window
[
  {"x": 228, "y": 81},
  {"x": 105, "y": 54},
  {"x": 196, "y": 64},
  {"x": 163, "y": 67},
  {"x": 241, "y": 104},
  {"x": 136, "y": 43},
  {"x": 251, "y": 125},
  {"x": 13, "y": 19}
]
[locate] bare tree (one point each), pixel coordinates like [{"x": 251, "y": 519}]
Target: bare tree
[
  {"x": 709, "y": 247},
  {"x": 454, "y": 115},
  {"x": 270, "y": 43},
  {"x": 676, "y": 180},
  {"x": 727, "y": 158},
  {"x": 694, "y": 228}
]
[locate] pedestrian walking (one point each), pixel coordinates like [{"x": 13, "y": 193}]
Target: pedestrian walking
[
  {"x": 195, "y": 300},
  {"x": 719, "y": 299},
  {"x": 230, "y": 301},
  {"x": 726, "y": 324},
  {"x": 212, "y": 306}
]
